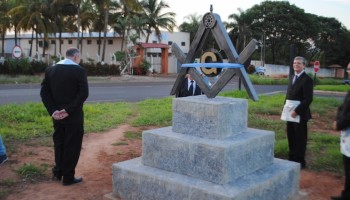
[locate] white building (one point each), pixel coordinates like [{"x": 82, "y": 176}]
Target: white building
[{"x": 89, "y": 47}]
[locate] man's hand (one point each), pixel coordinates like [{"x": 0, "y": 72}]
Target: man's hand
[
  {"x": 60, "y": 114},
  {"x": 294, "y": 114}
]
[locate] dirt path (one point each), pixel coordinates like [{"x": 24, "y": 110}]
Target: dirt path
[{"x": 95, "y": 165}]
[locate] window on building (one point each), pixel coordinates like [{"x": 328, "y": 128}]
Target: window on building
[
  {"x": 29, "y": 41},
  {"x": 41, "y": 43},
  {"x": 62, "y": 42},
  {"x": 110, "y": 42},
  {"x": 70, "y": 41},
  {"x": 170, "y": 42},
  {"x": 88, "y": 41},
  {"x": 154, "y": 41},
  {"x": 183, "y": 43},
  {"x": 53, "y": 41},
  {"x": 98, "y": 41}
]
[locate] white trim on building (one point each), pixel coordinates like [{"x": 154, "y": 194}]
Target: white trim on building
[{"x": 90, "y": 46}]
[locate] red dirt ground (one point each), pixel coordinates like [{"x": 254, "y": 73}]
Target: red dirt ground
[{"x": 95, "y": 165}]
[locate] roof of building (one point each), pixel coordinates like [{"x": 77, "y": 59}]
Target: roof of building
[
  {"x": 68, "y": 35},
  {"x": 154, "y": 45}
]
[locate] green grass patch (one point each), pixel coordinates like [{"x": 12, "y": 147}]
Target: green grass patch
[
  {"x": 324, "y": 152},
  {"x": 335, "y": 88},
  {"x": 132, "y": 135},
  {"x": 20, "y": 79},
  {"x": 120, "y": 143},
  {"x": 264, "y": 80},
  {"x": 31, "y": 120},
  {"x": 32, "y": 173},
  {"x": 155, "y": 112},
  {"x": 104, "y": 116}
]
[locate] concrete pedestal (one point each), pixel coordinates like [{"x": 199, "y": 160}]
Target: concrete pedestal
[{"x": 208, "y": 154}]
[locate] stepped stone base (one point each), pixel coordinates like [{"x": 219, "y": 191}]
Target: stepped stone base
[
  {"x": 217, "y": 161},
  {"x": 132, "y": 180},
  {"x": 208, "y": 154}
]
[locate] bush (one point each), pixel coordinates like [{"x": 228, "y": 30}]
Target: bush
[
  {"x": 100, "y": 69},
  {"x": 145, "y": 66},
  {"x": 23, "y": 66}
]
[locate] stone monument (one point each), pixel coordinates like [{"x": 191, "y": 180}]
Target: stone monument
[{"x": 208, "y": 153}]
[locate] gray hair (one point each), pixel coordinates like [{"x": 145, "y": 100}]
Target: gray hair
[
  {"x": 303, "y": 60},
  {"x": 71, "y": 52}
]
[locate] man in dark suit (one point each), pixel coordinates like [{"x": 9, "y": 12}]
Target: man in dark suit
[
  {"x": 63, "y": 92},
  {"x": 300, "y": 88},
  {"x": 189, "y": 87}
]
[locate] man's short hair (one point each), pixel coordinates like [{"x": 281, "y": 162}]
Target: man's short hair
[
  {"x": 71, "y": 52},
  {"x": 303, "y": 60}
]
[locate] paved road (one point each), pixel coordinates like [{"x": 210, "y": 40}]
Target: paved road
[{"x": 127, "y": 89}]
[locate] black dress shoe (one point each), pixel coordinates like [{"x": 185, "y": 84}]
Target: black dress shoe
[
  {"x": 56, "y": 177},
  {"x": 74, "y": 181}
]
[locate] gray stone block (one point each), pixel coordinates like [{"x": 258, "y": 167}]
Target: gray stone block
[
  {"x": 134, "y": 181},
  {"x": 217, "y": 161},
  {"x": 216, "y": 118}
]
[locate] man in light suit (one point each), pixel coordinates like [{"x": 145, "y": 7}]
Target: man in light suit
[
  {"x": 300, "y": 88},
  {"x": 189, "y": 87},
  {"x": 64, "y": 91}
]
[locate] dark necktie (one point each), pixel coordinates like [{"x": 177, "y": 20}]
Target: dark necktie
[
  {"x": 295, "y": 78},
  {"x": 190, "y": 90}
]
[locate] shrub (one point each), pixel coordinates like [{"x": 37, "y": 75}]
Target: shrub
[{"x": 100, "y": 69}]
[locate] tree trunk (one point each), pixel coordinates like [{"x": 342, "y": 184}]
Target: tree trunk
[
  {"x": 60, "y": 43},
  {"x": 79, "y": 26},
  {"x": 105, "y": 34},
  {"x": 3, "y": 43},
  {"x": 31, "y": 44}
]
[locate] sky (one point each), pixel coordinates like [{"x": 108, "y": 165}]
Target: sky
[{"x": 338, "y": 9}]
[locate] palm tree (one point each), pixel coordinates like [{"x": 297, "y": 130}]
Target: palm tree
[
  {"x": 156, "y": 19},
  {"x": 240, "y": 28},
  {"x": 14, "y": 19},
  {"x": 191, "y": 25},
  {"x": 33, "y": 15},
  {"x": 4, "y": 23},
  {"x": 87, "y": 15}
]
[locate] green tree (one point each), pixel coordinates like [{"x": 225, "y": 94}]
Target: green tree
[
  {"x": 191, "y": 24},
  {"x": 332, "y": 43},
  {"x": 5, "y": 24},
  {"x": 240, "y": 29},
  {"x": 156, "y": 19},
  {"x": 87, "y": 15},
  {"x": 33, "y": 15},
  {"x": 281, "y": 24}
]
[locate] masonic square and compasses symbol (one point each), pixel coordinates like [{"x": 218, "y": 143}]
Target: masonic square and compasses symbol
[{"x": 211, "y": 61}]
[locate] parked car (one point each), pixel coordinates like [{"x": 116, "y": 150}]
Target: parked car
[
  {"x": 346, "y": 81},
  {"x": 260, "y": 70}
]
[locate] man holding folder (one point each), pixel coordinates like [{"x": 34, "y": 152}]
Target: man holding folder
[{"x": 299, "y": 97}]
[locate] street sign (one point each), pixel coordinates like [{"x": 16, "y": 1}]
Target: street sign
[
  {"x": 17, "y": 52},
  {"x": 316, "y": 66}
]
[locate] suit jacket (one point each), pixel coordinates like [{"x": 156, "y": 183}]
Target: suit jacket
[
  {"x": 65, "y": 86},
  {"x": 343, "y": 114},
  {"x": 184, "y": 89},
  {"x": 302, "y": 90}
]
